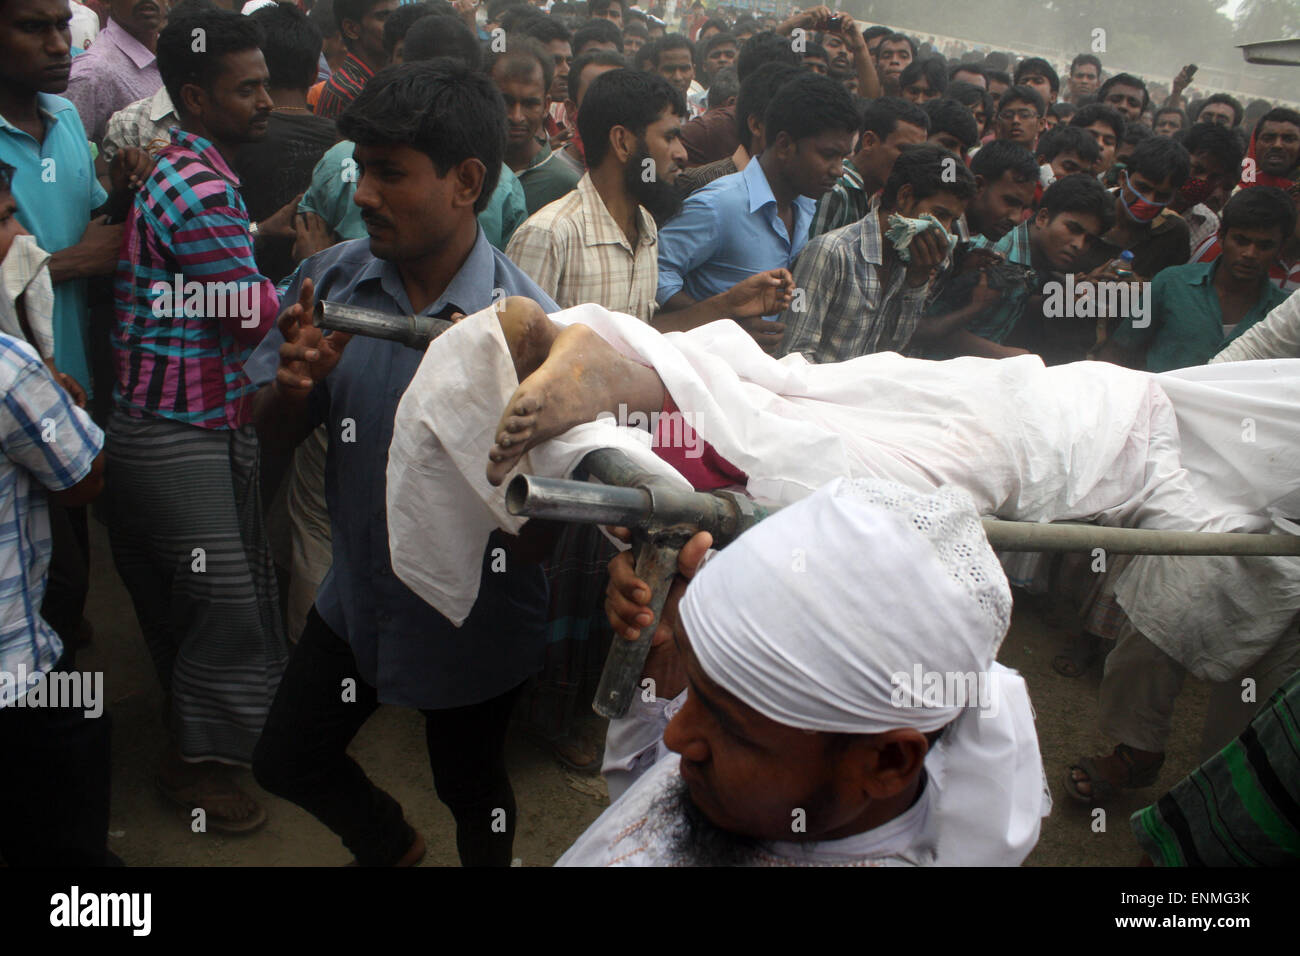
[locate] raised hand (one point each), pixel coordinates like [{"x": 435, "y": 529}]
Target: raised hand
[{"x": 307, "y": 355}]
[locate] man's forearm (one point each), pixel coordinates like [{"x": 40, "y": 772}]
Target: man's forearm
[
  {"x": 693, "y": 314},
  {"x": 674, "y": 303},
  {"x": 962, "y": 342},
  {"x": 71, "y": 263},
  {"x": 930, "y": 328},
  {"x": 868, "y": 79}
]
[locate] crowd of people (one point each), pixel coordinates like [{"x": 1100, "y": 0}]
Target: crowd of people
[{"x": 182, "y": 184}]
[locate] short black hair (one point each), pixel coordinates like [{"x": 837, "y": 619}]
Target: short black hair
[
  {"x": 291, "y": 46},
  {"x": 518, "y": 19},
  {"x": 517, "y": 61},
  {"x": 894, "y": 38},
  {"x": 968, "y": 94},
  {"x": 437, "y": 36},
  {"x": 997, "y": 61},
  {"x": 723, "y": 86},
  {"x": 1023, "y": 94},
  {"x": 882, "y": 116},
  {"x": 625, "y": 98},
  {"x": 546, "y": 29},
  {"x": 1003, "y": 156},
  {"x": 928, "y": 169},
  {"x": 1067, "y": 139},
  {"x": 321, "y": 14},
  {"x": 764, "y": 48},
  {"x": 1037, "y": 66},
  {"x": 1135, "y": 132},
  {"x": 870, "y": 33},
  {"x": 1082, "y": 193},
  {"x": 716, "y": 40},
  {"x": 1183, "y": 122},
  {"x": 949, "y": 116},
  {"x": 998, "y": 76},
  {"x": 635, "y": 28},
  {"x": 815, "y": 51},
  {"x": 932, "y": 68},
  {"x": 1085, "y": 58},
  {"x": 354, "y": 10},
  {"x": 597, "y": 7},
  {"x": 1231, "y": 101},
  {"x": 441, "y": 107},
  {"x": 1278, "y": 114},
  {"x": 401, "y": 20},
  {"x": 1159, "y": 156},
  {"x": 597, "y": 30},
  {"x": 965, "y": 68},
  {"x": 1125, "y": 79},
  {"x": 1220, "y": 143},
  {"x": 1259, "y": 207},
  {"x": 600, "y": 57},
  {"x": 1062, "y": 111},
  {"x": 224, "y": 33},
  {"x": 1095, "y": 113},
  {"x": 744, "y": 23},
  {"x": 756, "y": 93},
  {"x": 670, "y": 41},
  {"x": 807, "y": 105}
]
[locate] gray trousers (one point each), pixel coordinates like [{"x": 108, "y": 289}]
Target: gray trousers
[{"x": 1141, "y": 683}]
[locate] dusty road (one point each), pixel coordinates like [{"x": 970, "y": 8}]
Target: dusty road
[{"x": 555, "y": 805}]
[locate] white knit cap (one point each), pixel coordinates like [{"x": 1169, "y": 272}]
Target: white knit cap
[{"x": 822, "y": 616}]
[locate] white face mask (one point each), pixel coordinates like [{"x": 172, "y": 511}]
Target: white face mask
[{"x": 25, "y": 277}]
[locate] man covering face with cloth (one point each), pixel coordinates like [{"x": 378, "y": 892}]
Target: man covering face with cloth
[{"x": 842, "y": 702}]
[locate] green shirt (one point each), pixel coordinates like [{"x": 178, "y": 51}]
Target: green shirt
[
  {"x": 546, "y": 179},
  {"x": 334, "y": 182},
  {"x": 1186, "y": 321}
]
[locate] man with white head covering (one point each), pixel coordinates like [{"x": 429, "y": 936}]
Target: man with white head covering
[{"x": 843, "y": 705}]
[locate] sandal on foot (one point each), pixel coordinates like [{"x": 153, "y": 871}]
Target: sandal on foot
[
  {"x": 1102, "y": 789},
  {"x": 220, "y": 799},
  {"x": 1078, "y": 656}
]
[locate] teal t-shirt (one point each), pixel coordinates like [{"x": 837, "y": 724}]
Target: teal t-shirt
[{"x": 55, "y": 187}]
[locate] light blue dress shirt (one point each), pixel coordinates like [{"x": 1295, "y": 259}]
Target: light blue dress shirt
[{"x": 726, "y": 232}]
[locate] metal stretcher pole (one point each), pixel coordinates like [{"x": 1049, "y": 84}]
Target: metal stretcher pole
[{"x": 663, "y": 517}]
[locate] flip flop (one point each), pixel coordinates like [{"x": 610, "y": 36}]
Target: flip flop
[
  {"x": 208, "y": 794},
  {"x": 1103, "y": 789}
]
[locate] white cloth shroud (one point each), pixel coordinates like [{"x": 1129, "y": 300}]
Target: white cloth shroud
[{"x": 1088, "y": 441}]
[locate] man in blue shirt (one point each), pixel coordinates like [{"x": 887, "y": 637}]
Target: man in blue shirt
[
  {"x": 758, "y": 219},
  {"x": 430, "y": 138},
  {"x": 59, "y": 198}
]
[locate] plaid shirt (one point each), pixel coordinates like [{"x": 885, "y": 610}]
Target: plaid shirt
[
  {"x": 996, "y": 322},
  {"x": 575, "y": 250},
  {"x": 846, "y": 203},
  {"x": 343, "y": 86},
  {"x": 846, "y": 309},
  {"x": 187, "y": 245},
  {"x": 145, "y": 123},
  {"x": 48, "y": 443}
]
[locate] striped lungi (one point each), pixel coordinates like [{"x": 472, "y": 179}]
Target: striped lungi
[{"x": 189, "y": 543}]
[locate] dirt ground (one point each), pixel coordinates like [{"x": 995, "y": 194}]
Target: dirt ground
[{"x": 555, "y": 805}]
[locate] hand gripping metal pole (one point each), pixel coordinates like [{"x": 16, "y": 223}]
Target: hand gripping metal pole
[
  {"x": 415, "y": 331},
  {"x": 662, "y": 518}
]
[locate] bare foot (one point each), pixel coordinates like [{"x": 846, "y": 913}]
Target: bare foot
[
  {"x": 529, "y": 333},
  {"x": 582, "y": 376}
]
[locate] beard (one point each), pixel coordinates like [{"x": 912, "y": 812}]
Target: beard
[
  {"x": 659, "y": 198},
  {"x": 693, "y": 839}
]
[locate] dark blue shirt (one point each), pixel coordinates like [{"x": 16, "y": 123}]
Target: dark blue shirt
[{"x": 413, "y": 655}]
